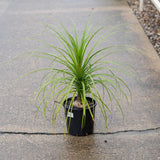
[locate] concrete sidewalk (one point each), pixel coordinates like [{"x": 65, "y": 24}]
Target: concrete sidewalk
[{"x": 136, "y": 137}]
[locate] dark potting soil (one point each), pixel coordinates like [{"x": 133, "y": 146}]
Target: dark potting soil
[{"x": 149, "y": 19}]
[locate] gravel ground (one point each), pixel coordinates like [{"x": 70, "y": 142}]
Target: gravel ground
[{"x": 149, "y": 19}]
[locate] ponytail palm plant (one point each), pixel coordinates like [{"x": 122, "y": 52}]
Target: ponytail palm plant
[{"x": 80, "y": 69}]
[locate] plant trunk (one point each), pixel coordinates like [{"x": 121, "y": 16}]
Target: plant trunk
[{"x": 79, "y": 98}]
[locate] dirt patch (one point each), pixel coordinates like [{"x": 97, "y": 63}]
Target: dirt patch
[{"x": 80, "y": 105}]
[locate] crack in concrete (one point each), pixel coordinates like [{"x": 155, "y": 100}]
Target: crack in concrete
[
  {"x": 95, "y": 133},
  {"x": 131, "y": 131}
]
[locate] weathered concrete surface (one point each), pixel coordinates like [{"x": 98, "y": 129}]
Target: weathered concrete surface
[
  {"x": 3, "y": 6},
  {"x": 20, "y": 20},
  {"x": 125, "y": 146}
]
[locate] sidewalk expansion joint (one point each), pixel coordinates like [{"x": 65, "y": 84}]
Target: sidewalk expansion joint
[{"x": 95, "y": 133}]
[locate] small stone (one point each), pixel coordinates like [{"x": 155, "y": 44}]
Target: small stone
[{"x": 105, "y": 141}]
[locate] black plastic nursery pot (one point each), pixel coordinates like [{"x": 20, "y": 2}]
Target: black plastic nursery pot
[{"x": 74, "y": 118}]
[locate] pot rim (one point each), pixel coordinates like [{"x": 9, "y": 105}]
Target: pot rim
[{"x": 76, "y": 108}]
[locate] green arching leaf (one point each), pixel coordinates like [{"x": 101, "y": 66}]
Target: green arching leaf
[
  {"x": 100, "y": 40},
  {"x": 99, "y": 97},
  {"x": 58, "y": 59},
  {"x": 83, "y": 99},
  {"x": 26, "y": 74},
  {"x": 70, "y": 107},
  {"x": 63, "y": 40},
  {"x": 65, "y": 97},
  {"x": 91, "y": 37},
  {"x": 120, "y": 107},
  {"x": 46, "y": 94}
]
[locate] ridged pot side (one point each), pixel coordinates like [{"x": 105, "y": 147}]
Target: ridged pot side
[{"x": 74, "y": 118}]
